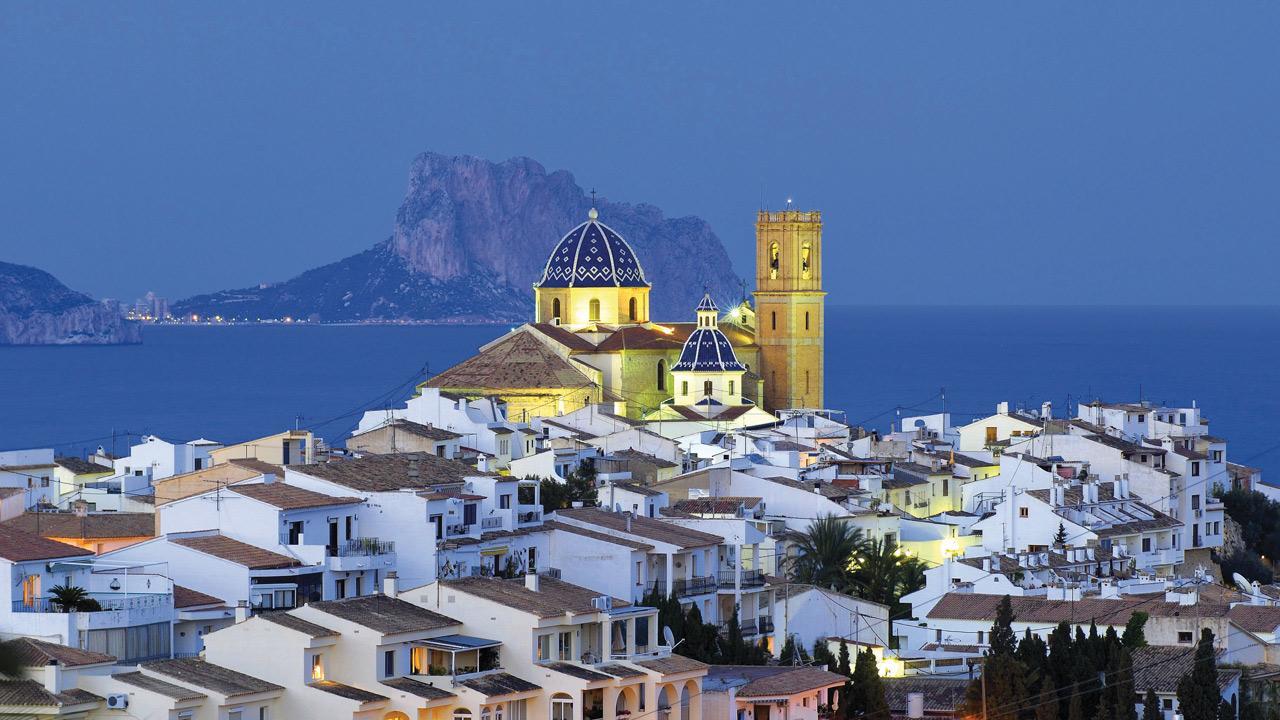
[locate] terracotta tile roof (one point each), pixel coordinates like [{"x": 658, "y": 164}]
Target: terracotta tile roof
[
  {"x": 392, "y": 472},
  {"x": 500, "y": 683},
  {"x": 385, "y": 614},
  {"x": 941, "y": 695},
  {"x": 208, "y": 676},
  {"x": 518, "y": 361},
  {"x": 185, "y": 597},
  {"x": 284, "y": 619},
  {"x": 1160, "y": 667},
  {"x": 673, "y": 664},
  {"x": 417, "y": 688},
  {"x": 716, "y": 505},
  {"x": 29, "y": 693},
  {"x": 289, "y": 497},
  {"x": 346, "y": 691},
  {"x": 552, "y": 599},
  {"x": 642, "y": 527},
  {"x": 577, "y": 671},
  {"x": 430, "y": 432},
  {"x": 37, "y": 653},
  {"x": 570, "y": 340},
  {"x": 575, "y": 530},
  {"x": 88, "y": 527},
  {"x": 18, "y": 546},
  {"x": 259, "y": 466},
  {"x": 1255, "y": 618},
  {"x": 637, "y": 489},
  {"x": 81, "y": 467},
  {"x": 974, "y": 606},
  {"x": 791, "y": 682},
  {"x": 158, "y": 686},
  {"x": 240, "y": 553},
  {"x": 643, "y": 457}
]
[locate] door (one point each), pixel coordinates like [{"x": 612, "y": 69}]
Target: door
[
  {"x": 333, "y": 537},
  {"x": 762, "y": 712}
]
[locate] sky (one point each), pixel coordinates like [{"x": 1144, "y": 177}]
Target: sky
[{"x": 1025, "y": 153}]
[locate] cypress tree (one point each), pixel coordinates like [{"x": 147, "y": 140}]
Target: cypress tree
[
  {"x": 1151, "y": 706},
  {"x": 790, "y": 655},
  {"x": 1075, "y": 708},
  {"x": 1047, "y": 702},
  {"x": 867, "y": 690},
  {"x": 1004, "y": 674},
  {"x": 735, "y": 649},
  {"x": 1198, "y": 695},
  {"x": 842, "y": 663},
  {"x": 822, "y": 655},
  {"x": 1134, "y": 635}
]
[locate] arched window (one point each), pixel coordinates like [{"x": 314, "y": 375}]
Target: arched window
[
  {"x": 662, "y": 374},
  {"x": 631, "y": 308},
  {"x": 561, "y": 707},
  {"x": 593, "y": 310},
  {"x": 773, "y": 261},
  {"x": 773, "y": 320},
  {"x": 706, "y": 388},
  {"x": 806, "y": 321},
  {"x": 805, "y": 265},
  {"x": 486, "y": 713},
  {"x": 462, "y": 714},
  {"x": 555, "y": 308}
]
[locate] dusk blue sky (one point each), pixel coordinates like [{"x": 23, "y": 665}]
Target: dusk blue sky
[{"x": 967, "y": 153}]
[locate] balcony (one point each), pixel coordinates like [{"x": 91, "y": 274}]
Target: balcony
[
  {"x": 41, "y": 616},
  {"x": 685, "y": 587},
  {"x": 750, "y": 579},
  {"x": 748, "y": 627},
  {"x": 529, "y": 517},
  {"x": 459, "y": 530},
  {"x": 491, "y": 523},
  {"x": 362, "y": 554}
]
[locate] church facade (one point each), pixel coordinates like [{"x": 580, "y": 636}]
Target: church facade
[{"x": 592, "y": 340}]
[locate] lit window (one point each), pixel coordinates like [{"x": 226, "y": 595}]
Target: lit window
[
  {"x": 773, "y": 261},
  {"x": 805, "y": 252},
  {"x": 593, "y": 310},
  {"x": 317, "y": 667}
]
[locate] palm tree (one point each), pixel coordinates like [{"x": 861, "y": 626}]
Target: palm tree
[
  {"x": 884, "y": 574},
  {"x": 826, "y": 551},
  {"x": 68, "y": 597}
]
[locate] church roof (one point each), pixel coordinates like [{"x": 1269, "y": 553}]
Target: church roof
[
  {"x": 707, "y": 349},
  {"x": 707, "y": 304},
  {"x": 518, "y": 361},
  {"x": 592, "y": 255}
]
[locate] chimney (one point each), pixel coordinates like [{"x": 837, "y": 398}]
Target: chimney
[
  {"x": 628, "y": 515},
  {"x": 242, "y": 611},
  {"x": 531, "y": 581},
  {"x": 81, "y": 508},
  {"x": 482, "y": 463},
  {"x": 1256, "y": 597},
  {"x": 53, "y": 677},
  {"x": 1002, "y": 408},
  {"x": 915, "y": 705},
  {"x": 1046, "y": 410},
  {"x": 391, "y": 584}
]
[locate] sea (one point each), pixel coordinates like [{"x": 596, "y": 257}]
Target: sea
[{"x": 237, "y": 382}]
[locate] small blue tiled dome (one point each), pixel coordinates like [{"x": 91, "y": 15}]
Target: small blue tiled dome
[
  {"x": 592, "y": 255},
  {"x": 707, "y": 349}
]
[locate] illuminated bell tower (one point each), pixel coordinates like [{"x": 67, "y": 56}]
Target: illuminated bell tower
[{"x": 789, "y": 307}]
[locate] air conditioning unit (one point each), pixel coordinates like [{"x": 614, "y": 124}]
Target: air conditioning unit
[
  {"x": 604, "y": 602},
  {"x": 118, "y": 702}
]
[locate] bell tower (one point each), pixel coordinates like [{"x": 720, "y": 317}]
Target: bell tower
[{"x": 789, "y": 307}]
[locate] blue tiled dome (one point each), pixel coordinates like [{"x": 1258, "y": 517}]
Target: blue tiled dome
[
  {"x": 592, "y": 255},
  {"x": 707, "y": 349}
]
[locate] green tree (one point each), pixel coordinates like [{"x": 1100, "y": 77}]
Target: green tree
[
  {"x": 1151, "y": 706},
  {"x": 1002, "y": 673},
  {"x": 1198, "y": 695},
  {"x": 1047, "y": 701},
  {"x": 1134, "y": 635},
  {"x": 884, "y": 574},
  {"x": 864, "y": 697},
  {"x": 790, "y": 653},
  {"x": 822, "y": 655},
  {"x": 826, "y": 548},
  {"x": 842, "y": 660},
  {"x": 69, "y": 598},
  {"x": 1060, "y": 537}
]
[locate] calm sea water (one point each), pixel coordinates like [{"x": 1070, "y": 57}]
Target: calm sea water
[{"x": 235, "y": 383}]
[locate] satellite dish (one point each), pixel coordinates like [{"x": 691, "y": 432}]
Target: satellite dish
[
  {"x": 669, "y": 636},
  {"x": 1242, "y": 583}
]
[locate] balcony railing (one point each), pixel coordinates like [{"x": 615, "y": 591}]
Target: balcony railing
[
  {"x": 356, "y": 547},
  {"x": 456, "y": 530},
  {"x": 684, "y": 587},
  {"x": 491, "y": 523},
  {"x": 532, "y": 516},
  {"x": 750, "y": 578},
  {"x": 746, "y": 627},
  {"x": 106, "y": 603}
]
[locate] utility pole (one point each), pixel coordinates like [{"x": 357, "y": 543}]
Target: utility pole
[{"x": 983, "y": 680}]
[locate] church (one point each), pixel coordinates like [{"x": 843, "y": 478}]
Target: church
[{"x": 593, "y": 342}]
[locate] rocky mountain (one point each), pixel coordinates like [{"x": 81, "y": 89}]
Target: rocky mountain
[
  {"x": 36, "y": 309},
  {"x": 469, "y": 241}
]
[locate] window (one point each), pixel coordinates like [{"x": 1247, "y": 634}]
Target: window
[
  {"x": 1146, "y": 545},
  {"x": 805, "y": 255},
  {"x": 462, "y": 714},
  {"x": 359, "y": 585},
  {"x": 806, "y": 381},
  {"x": 561, "y": 707},
  {"x": 1184, "y": 638},
  {"x": 564, "y": 646},
  {"x": 662, "y": 374},
  {"x": 295, "y": 532},
  {"x": 684, "y": 387},
  {"x": 235, "y": 715},
  {"x": 1167, "y": 703},
  {"x": 1142, "y": 458},
  {"x": 347, "y": 526},
  {"x": 773, "y": 320},
  {"x": 504, "y": 446},
  {"x": 262, "y": 713},
  {"x": 504, "y": 502},
  {"x": 706, "y": 388},
  {"x": 1142, "y": 418},
  {"x": 544, "y": 647},
  {"x": 486, "y": 713},
  {"x": 946, "y": 487},
  {"x": 731, "y": 388},
  {"x": 1195, "y": 468},
  {"x": 317, "y": 667},
  {"x": 555, "y": 308},
  {"x": 1217, "y": 456},
  {"x": 418, "y": 660},
  {"x": 1182, "y": 418},
  {"x": 1195, "y": 502},
  {"x": 340, "y": 588},
  {"x": 389, "y": 663},
  {"x": 806, "y": 320},
  {"x": 773, "y": 261},
  {"x": 593, "y": 310},
  {"x": 1024, "y": 512},
  {"x": 631, "y": 309}
]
